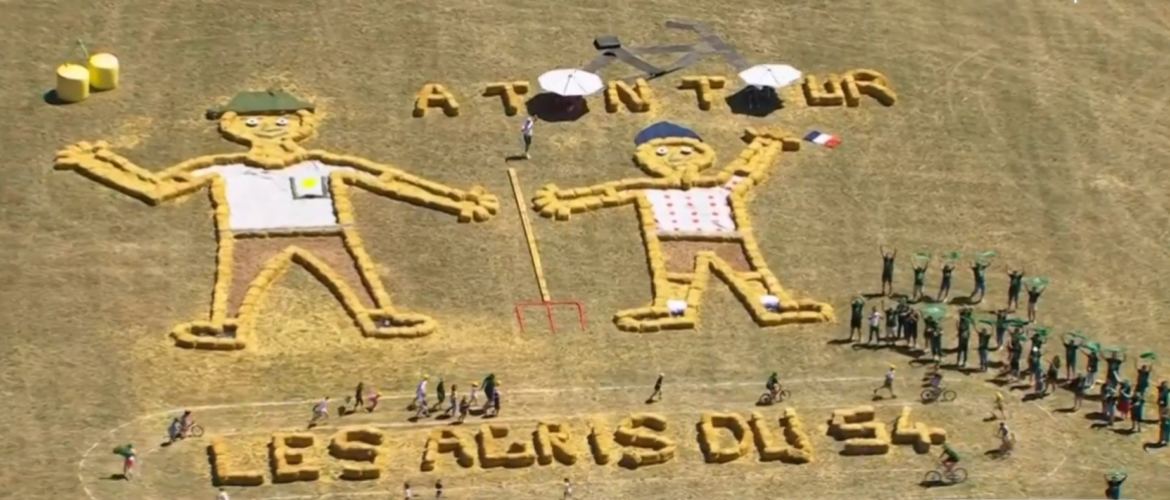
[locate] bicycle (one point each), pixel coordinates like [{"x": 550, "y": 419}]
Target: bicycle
[
  {"x": 940, "y": 475},
  {"x": 768, "y": 398},
  {"x": 930, "y": 395}
]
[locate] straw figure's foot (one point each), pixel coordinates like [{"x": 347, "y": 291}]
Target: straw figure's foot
[
  {"x": 797, "y": 312},
  {"x": 208, "y": 335},
  {"x": 653, "y": 319},
  {"x": 386, "y": 324}
]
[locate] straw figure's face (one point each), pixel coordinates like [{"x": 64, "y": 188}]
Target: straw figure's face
[
  {"x": 674, "y": 157},
  {"x": 266, "y": 130}
]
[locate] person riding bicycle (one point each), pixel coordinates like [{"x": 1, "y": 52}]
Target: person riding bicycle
[
  {"x": 773, "y": 385},
  {"x": 174, "y": 430},
  {"x": 186, "y": 422},
  {"x": 936, "y": 383},
  {"x": 948, "y": 459}
]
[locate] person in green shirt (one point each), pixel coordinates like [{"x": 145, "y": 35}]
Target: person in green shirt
[
  {"x": 1001, "y": 327},
  {"x": 984, "y": 348},
  {"x": 1113, "y": 484},
  {"x": 949, "y": 458},
  {"x": 1164, "y": 399},
  {"x": 891, "y": 323},
  {"x": 857, "y": 313},
  {"x": 965, "y": 322},
  {"x": 944, "y": 287},
  {"x": 1164, "y": 431},
  {"x": 888, "y": 270},
  {"x": 1015, "y": 285},
  {"x": 1034, "y": 291},
  {"x": 1071, "y": 346},
  {"x": 1145, "y": 371},
  {"x": 935, "y": 335},
  {"x": 441, "y": 394},
  {"x": 979, "y": 270},
  {"x": 129, "y": 459},
  {"x": 1093, "y": 362},
  {"x": 489, "y": 388},
  {"x": 1137, "y": 411},
  {"x": 919, "y": 279}
]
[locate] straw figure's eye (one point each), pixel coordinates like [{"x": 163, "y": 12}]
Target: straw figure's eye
[
  {"x": 686, "y": 150},
  {"x": 661, "y": 151},
  {"x": 282, "y": 122},
  {"x": 252, "y": 122}
]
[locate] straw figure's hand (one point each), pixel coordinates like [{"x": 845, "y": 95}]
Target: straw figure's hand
[
  {"x": 549, "y": 203},
  {"x": 478, "y": 206},
  {"x": 83, "y": 156}
]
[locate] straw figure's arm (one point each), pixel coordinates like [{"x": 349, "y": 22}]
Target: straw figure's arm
[
  {"x": 553, "y": 202},
  {"x": 468, "y": 205},
  {"x": 758, "y": 158},
  {"x": 96, "y": 161}
]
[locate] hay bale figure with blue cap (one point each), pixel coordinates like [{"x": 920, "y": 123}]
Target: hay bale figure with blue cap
[
  {"x": 279, "y": 203},
  {"x": 693, "y": 224}
]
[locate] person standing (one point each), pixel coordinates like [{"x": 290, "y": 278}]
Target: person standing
[
  {"x": 875, "y": 325},
  {"x": 440, "y": 394},
  {"x": 359, "y": 397},
  {"x": 407, "y": 494},
  {"x": 984, "y": 348},
  {"x": 568, "y": 490},
  {"x": 1015, "y": 284},
  {"x": 526, "y": 134},
  {"x": 857, "y": 312},
  {"x": 222, "y": 495},
  {"x": 888, "y": 270},
  {"x": 944, "y": 288},
  {"x": 438, "y": 489}
]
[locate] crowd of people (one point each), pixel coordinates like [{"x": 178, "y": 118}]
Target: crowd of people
[
  {"x": 1021, "y": 341},
  {"x": 448, "y": 404}
]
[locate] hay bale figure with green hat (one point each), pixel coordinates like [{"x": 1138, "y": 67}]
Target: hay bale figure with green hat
[
  {"x": 694, "y": 225},
  {"x": 277, "y": 203}
]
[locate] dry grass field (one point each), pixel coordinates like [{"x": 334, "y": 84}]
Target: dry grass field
[{"x": 1031, "y": 128}]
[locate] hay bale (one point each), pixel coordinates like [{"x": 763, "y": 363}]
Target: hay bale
[
  {"x": 493, "y": 454},
  {"x": 865, "y": 447},
  {"x": 867, "y": 82},
  {"x": 434, "y": 95},
  {"x": 509, "y": 93},
  {"x": 553, "y": 441},
  {"x": 823, "y": 94},
  {"x": 443, "y": 441}
]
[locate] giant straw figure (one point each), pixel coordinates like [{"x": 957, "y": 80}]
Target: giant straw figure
[
  {"x": 693, "y": 224},
  {"x": 276, "y": 204}
]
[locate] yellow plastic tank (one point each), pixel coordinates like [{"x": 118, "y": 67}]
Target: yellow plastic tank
[
  {"x": 72, "y": 82},
  {"x": 103, "y": 71}
]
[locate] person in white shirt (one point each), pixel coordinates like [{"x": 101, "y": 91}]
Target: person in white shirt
[
  {"x": 222, "y": 495},
  {"x": 320, "y": 412},
  {"x": 526, "y": 134},
  {"x": 568, "y": 490},
  {"x": 888, "y": 383},
  {"x": 875, "y": 325},
  {"x": 420, "y": 399}
]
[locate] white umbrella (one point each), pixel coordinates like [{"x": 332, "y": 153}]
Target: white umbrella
[
  {"x": 571, "y": 82},
  {"x": 770, "y": 75}
]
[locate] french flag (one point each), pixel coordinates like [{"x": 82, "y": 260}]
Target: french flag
[{"x": 822, "y": 139}]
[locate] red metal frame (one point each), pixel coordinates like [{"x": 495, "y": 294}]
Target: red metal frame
[{"x": 548, "y": 307}]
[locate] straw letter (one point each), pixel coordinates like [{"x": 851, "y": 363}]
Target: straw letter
[
  {"x": 868, "y": 82},
  {"x": 357, "y": 444},
  {"x": 823, "y": 94},
  {"x": 509, "y": 93},
  {"x": 638, "y": 99},
  {"x": 704, "y": 87},
  {"x": 434, "y": 95}
]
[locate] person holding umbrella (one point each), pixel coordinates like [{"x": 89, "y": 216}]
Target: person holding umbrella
[
  {"x": 1036, "y": 287},
  {"x": 1145, "y": 371},
  {"x": 948, "y": 271},
  {"x": 920, "y": 264}
]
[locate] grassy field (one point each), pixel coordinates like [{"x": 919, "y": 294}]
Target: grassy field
[{"x": 1030, "y": 128}]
